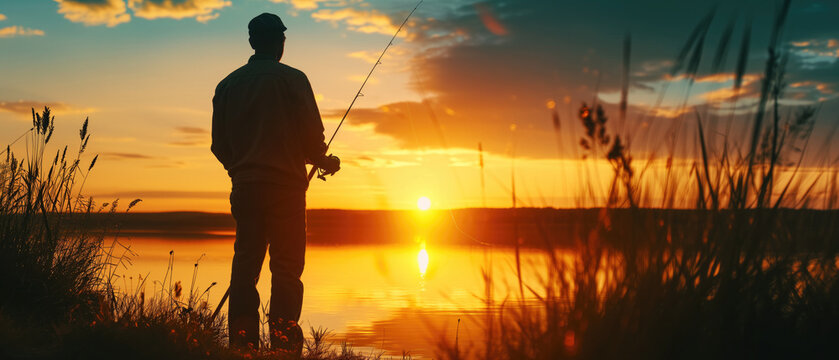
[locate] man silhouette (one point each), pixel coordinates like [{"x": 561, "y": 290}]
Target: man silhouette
[{"x": 266, "y": 127}]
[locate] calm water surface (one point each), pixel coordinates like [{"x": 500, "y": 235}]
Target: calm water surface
[{"x": 390, "y": 298}]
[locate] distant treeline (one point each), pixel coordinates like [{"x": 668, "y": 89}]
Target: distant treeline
[{"x": 498, "y": 227}]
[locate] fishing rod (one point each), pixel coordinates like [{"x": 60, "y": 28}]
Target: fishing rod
[
  {"x": 8, "y": 147},
  {"x": 358, "y": 94}
]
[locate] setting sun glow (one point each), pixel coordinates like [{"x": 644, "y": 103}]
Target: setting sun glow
[
  {"x": 422, "y": 261},
  {"x": 423, "y": 203}
]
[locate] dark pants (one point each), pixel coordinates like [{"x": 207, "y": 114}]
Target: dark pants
[{"x": 266, "y": 218}]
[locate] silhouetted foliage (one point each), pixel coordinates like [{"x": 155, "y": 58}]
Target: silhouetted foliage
[{"x": 749, "y": 272}]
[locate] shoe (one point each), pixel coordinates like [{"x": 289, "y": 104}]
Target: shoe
[{"x": 286, "y": 339}]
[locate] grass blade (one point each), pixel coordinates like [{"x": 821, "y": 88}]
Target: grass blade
[
  {"x": 743, "y": 57},
  {"x": 722, "y": 47}
]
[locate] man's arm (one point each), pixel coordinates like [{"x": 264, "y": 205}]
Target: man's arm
[
  {"x": 220, "y": 146},
  {"x": 311, "y": 128}
]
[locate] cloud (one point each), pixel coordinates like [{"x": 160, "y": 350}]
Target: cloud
[
  {"x": 409, "y": 122},
  {"x": 714, "y": 78},
  {"x": 749, "y": 89},
  {"x": 192, "y": 130},
  {"x": 814, "y": 52},
  {"x": 363, "y": 21},
  {"x": 154, "y": 194},
  {"x": 94, "y": 12},
  {"x": 114, "y": 12},
  {"x": 13, "y": 31},
  {"x": 803, "y": 90},
  {"x": 822, "y": 87},
  {"x": 432, "y": 125},
  {"x": 476, "y": 83},
  {"x": 369, "y": 162},
  {"x": 490, "y": 20},
  {"x": 815, "y": 44},
  {"x": 305, "y": 4},
  {"x": 191, "y": 136},
  {"x": 360, "y": 78},
  {"x": 671, "y": 113},
  {"x": 372, "y": 56},
  {"x": 201, "y": 10},
  {"x": 125, "y": 156},
  {"x": 190, "y": 143},
  {"x": 367, "y": 56},
  {"x": 24, "y": 107},
  {"x": 116, "y": 139}
]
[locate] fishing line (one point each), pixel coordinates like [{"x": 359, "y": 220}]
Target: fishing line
[
  {"x": 358, "y": 93},
  {"x": 16, "y": 140}
]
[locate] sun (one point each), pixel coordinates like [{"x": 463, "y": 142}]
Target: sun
[{"x": 423, "y": 203}]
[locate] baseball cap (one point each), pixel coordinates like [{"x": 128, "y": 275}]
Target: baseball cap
[{"x": 265, "y": 24}]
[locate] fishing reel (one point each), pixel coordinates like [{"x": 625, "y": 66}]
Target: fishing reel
[{"x": 323, "y": 172}]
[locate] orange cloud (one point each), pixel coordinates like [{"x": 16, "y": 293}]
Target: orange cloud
[
  {"x": 368, "y": 22},
  {"x": 94, "y": 12},
  {"x": 723, "y": 94},
  {"x": 192, "y": 130},
  {"x": 2, "y": 17},
  {"x": 491, "y": 21},
  {"x": 191, "y": 136},
  {"x": 166, "y": 194},
  {"x": 816, "y": 48},
  {"x": 713, "y": 78},
  {"x": 671, "y": 113},
  {"x": 360, "y": 78},
  {"x": 821, "y": 87},
  {"x": 190, "y": 143},
  {"x": 824, "y": 88},
  {"x": 24, "y": 107},
  {"x": 372, "y": 56},
  {"x": 718, "y": 78},
  {"x": 302, "y": 4},
  {"x": 201, "y": 10},
  {"x": 125, "y": 156},
  {"x": 13, "y": 31},
  {"x": 367, "y": 56}
]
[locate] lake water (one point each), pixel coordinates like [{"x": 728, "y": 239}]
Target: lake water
[{"x": 377, "y": 298}]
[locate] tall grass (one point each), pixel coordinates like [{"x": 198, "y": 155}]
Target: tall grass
[
  {"x": 50, "y": 266},
  {"x": 746, "y": 270}
]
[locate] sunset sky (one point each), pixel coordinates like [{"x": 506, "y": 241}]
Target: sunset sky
[{"x": 144, "y": 71}]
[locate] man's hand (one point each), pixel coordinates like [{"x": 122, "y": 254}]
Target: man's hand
[{"x": 329, "y": 165}]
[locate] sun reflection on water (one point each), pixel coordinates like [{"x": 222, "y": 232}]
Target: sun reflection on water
[
  {"x": 382, "y": 297},
  {"x": 422, "y": 261}
]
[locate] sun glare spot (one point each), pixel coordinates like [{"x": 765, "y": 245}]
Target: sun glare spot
[
  {"x": 422, "y": 261},
  {"x": 424, "y": 203}
]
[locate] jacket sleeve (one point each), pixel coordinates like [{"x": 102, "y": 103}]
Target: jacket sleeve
[
  {"x": 311, "y": 128},
  {"x": 220, "y": 146}
]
